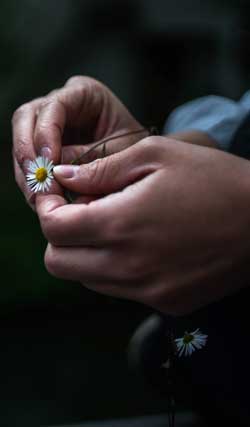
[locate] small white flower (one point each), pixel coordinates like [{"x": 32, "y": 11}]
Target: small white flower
[
  {"x": 190, "y": 342},
  {"x": 40, "y": 176}
]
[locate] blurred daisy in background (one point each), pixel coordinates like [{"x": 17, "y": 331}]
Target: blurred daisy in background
[
  {"x": 190, "y": 342},
  {"x": 40, "y": 176}
]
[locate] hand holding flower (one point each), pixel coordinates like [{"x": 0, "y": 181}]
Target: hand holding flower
[
  {"x": 162, "y": 230},
  {"x": 64, "y": 124}
]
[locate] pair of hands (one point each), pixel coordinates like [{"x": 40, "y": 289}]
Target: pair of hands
[{"x": 161, "y": 222}]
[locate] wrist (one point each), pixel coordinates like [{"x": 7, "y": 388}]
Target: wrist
[{"x": 195, "y": 137}]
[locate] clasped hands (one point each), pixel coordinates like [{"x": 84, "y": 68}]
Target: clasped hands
[{"x": 158, "y": 221}]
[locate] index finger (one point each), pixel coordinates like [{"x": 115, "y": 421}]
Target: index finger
[
  {"x": 23, "y": 125},
  {"x": 71, "y": 107},
  {"x": 23, "y": 129}
]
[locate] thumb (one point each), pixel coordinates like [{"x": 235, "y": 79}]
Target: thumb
[{"x": 111, "y": 173}]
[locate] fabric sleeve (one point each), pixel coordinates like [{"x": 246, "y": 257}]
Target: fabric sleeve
[{"x": 217, "y": 116}]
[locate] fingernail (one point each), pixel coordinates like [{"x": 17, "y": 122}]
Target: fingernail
[
  {"x": 66, "y": 171},
  {"x": 46, "y": 152}
]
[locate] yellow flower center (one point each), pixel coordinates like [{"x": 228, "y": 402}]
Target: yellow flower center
[
  {"x": 41, "y": 174},
  {"x": 187, "y": 338}
]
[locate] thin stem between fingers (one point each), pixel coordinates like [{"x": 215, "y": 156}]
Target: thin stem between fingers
[{"x": 110, "y": 138}]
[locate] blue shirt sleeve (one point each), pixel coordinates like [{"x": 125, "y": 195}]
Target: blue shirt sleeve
[{"x": 219, "y": 117}]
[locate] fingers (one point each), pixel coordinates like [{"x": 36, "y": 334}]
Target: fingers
[
  {"x": 116, "y": 142},
  {"x": 97, "y": 223},
  {"x": 49, "y": 129},
  {"x": 75, "y": 224},
  {"x": 96, "y": 265},
  {"x": 83, "y": 110},
  {"x": 74, "y": 106},
  {"x": 23, "y": 125},
  {"x": 114, "y": 172},
  {"x": 38, "y": 126},
  {"x": 79, "y": 264},
  {"x": 21, "y": 181}
]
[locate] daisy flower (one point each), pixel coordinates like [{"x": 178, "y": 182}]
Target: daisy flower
[
  {"x": 190, "y": 342},
  {"x": 40, "y": 176}
]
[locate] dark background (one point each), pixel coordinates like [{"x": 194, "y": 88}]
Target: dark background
[{"x": 63, "y": 348}]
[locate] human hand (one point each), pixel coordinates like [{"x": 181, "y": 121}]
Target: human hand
[
  {"x": 57, "y": 125},
  {"x": 195, "y": 137},
  {"x": 171, "y": 230}
]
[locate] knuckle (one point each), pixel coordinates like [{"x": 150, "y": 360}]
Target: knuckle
[
  {"x": 50, "y": 225},
  {"x": 81, "y": 92},
  {"x": 94, "y": 172},
  {"x": 45, "y": 133},
  {"x": 93, "y": 83},
  {"x": 49, "y": 101},
  {"x": 148, "y": 144},
  {"x": 86, "y": 88},
  {"x": 52, "y": 261},
  {"x": 153, "y": 142},
  {"x": 20, "y": 111},
  {"x": 40, "y": 134},
  {"x": 151, "y": 148},
  {"x": 147, "y": 149},
  {"x": 81, "y": 81},
  {"x": 74, "y": 79},
  {"x": 52, "y": 93},
  {"x": 45, "y": 102}
]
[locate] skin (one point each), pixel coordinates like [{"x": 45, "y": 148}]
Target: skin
[
  {"x": 156, "y": 221},
  {"x": 65, "y": 123}
]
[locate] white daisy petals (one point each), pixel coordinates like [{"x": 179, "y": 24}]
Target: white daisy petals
[
  {"x": 190, "y": 342},
  {"x": 40, "y": 174}
]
